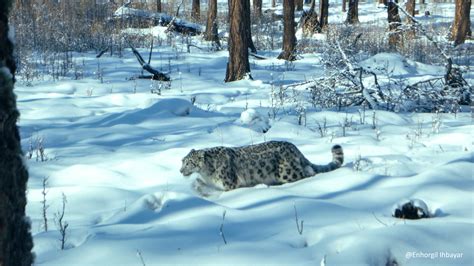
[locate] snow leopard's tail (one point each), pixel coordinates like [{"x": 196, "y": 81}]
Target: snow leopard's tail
[{"x": 337, "y": 160}]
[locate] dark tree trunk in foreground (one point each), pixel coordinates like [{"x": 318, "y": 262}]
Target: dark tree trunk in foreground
[
  {"x": 15, "y": 238},
  {"x": 211, "y": 33},
  {"x": 299, "y": 5},
  {"x": 257, "y": 7},
  {"x": 289, "y": 38},
  {"x": 158, "y": 6},
  {"x": 238, "y": 66},
  {"x": 323, "y": 13},
  {"x": 196, "y": 10},
  {"x": 394, "y": 23},
  {"x": 462, "y": 22},
  {"x": 353, "y": 12}
]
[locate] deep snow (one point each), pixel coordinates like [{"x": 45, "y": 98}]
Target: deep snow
[{"x": 114, "y": 149}]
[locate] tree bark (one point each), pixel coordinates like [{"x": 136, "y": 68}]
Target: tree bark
[
  {"x": 248, "y": 26},
  {"x": 353, "y": 12},
  {"x": 273, "y": 3},
  {"x": 289, "y": 38},
  {"x": 238, "y": 66},
  {"x": 344, "y": 5},
  {"x": 299, "y": 5},
  {"x": 462, "y": 22},
  {"x": 394, "y": 22},
  {"x": 196, "y": 10},
  {"x": 323, "y": 13},
  {"x": 158, "y": 6},
  {"x": 15, "y": 237},
  {"x": 410, "y": 8},
  {"x": 211, "y": 33},
  {"x": 257, "y": 7},
  {"x": 310, "y": 21}
]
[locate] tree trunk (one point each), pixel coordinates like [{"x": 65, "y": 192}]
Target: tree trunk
[
  {"x": 273, "y": 3},
  {"x": 238, "y": 66},
  {"x": 289, "y": 38},
  {"x": 462, "y": 22},
  {"x": 248, "y": 26},
  {"x": 211, "y": 33},
  {"x": 353, "y": 12},
  {"x": 299, "y": 5},
  {"x": 323, "y": 13},
  {"x": 158, "y": 6},
  {"x": 15, "y": 237},
  {"x": 410, "y": 8},
  {"x": 394, "y": 22},
  {"x": 257, "y": 7},
  {"x": 344, "y": 5},
  {"x": 196, "y": 10},
  {"x": 310, "y": 21}
]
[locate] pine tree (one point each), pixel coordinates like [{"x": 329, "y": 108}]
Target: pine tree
[
  {"x": 289, "y": 38},
  {"x": 353, "y": 12},
  {"x": 462, "y": 22},
  {"x": 196, "y": 10},
  {"x": 211, "y": 33},
  {"x": 238, "y": 66}
]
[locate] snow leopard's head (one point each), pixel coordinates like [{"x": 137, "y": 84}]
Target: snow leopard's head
[{"x": 192, "y": 163}]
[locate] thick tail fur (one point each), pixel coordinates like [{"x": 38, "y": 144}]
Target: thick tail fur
[{"x": 337, "y": 160}]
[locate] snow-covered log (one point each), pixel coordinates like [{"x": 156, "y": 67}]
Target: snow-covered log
[{"x": 145, "y": 17}]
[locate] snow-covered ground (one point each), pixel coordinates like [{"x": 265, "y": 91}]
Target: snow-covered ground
[{"x": 114, "y": 150}]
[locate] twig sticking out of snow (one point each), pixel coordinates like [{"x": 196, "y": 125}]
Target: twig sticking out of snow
[
  {"x": 378, "y": 220},
  {"x": 139, "y": 254},
  {"x": 62, "y": 225},
  {"x": 221, "y": 229},
  {"x": 44, "y": 192},
  {"x": 299, "y": 226}
]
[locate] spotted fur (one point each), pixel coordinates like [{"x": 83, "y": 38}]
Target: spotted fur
[{"x": 270, "y": 163}]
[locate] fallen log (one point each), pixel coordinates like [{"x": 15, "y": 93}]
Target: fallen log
[
  {"x": 156, "y": 75},
  {"x": 145, "y": 18}
]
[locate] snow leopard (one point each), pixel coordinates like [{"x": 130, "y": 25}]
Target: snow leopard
[{"x": 270, "y": 163}]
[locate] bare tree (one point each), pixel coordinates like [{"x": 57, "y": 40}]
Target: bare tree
[
  {"x": 323, "y": 13},
  {"x": 15, "y": 237},
  {"x": 196, "y": 10},
  {"x": 353, "y": 12},
  {"x": 248, "y": 26},
  {"x": 410, "y": 7},
  {"x": 211, "y": 33},
  {"x": 309, "y": 21},
  {"x": 238, "y": 66},
  {"x": 158, "y": 6},
  {"x": 462, "y": 22},
  {"x": 289, "y": 38},
  {"x": 394, "y": 22},
  {"x": 257, "y": 7},
  {"x": 299, "y": 5}
]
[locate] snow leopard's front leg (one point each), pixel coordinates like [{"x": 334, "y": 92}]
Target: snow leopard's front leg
[{"x": 227, "y": 178}]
